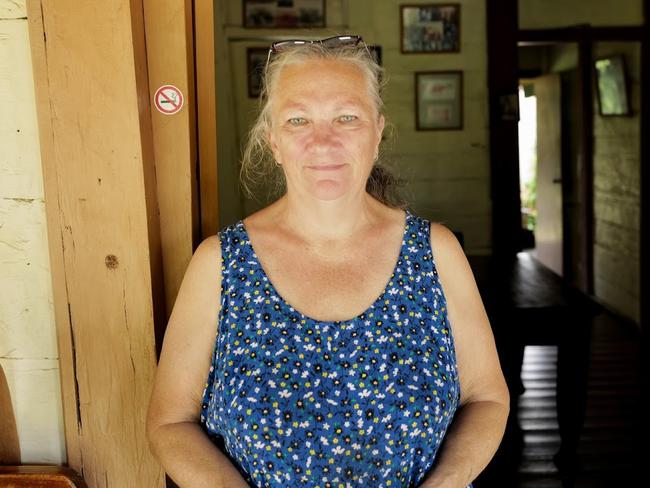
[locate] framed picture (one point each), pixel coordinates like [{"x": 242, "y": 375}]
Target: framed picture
[
  {"x": 256, "y": 61},
  {"x": 283, "y": 14},
  {"x": 432, "y": 28},
  {"x": 439, "y": 100},
  {"x": 611, "y": 83}
]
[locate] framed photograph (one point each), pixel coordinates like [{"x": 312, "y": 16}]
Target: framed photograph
[
  {"x": 432, "y": 28},
  {"x": 283, "y": 14},
  {"x": 611, "y": 83},
  {"x": 439, "y": 100},
  {"x": 256, "y": 61}
]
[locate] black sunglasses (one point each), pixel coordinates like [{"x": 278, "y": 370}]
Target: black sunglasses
[{"x": 330, "y": 42}]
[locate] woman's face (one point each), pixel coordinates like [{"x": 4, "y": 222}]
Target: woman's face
[{"x": 325, "y": 130}]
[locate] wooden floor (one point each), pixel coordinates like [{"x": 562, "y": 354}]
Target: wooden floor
[{"x": 608, "y": 448}]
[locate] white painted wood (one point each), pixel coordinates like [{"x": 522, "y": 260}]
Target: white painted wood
[
  {"x": 28, "y": 349},
  {"x": 36, "y": 398},
  {"x": 27, "y": 327},
  {"x": 548, "y": 231},
  {"x": 12, "y": 9},
  {"x": 617, "y": 167},
  {"x": 20, "y": 170}
]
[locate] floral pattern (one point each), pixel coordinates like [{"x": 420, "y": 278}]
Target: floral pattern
[{"x": 302, "y": 402}]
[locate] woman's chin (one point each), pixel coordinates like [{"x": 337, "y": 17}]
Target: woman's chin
[{"x": 329, "y": 189}]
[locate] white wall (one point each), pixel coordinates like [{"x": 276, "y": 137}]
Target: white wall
[{"x": 28, "y": 351}]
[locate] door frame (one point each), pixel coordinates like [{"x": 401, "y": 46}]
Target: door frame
[{"x": 205, "y": 75}]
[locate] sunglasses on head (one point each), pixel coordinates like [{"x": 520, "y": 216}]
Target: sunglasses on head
[{"x": 330, "y": 42}]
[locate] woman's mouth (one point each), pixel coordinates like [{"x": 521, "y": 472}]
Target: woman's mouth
[{"x": 325, "y": 167}]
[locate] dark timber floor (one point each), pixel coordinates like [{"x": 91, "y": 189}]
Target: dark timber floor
[{"x": 609, "y": 447}]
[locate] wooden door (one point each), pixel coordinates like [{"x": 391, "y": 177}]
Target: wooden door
[{"x": 548, "y": 231}]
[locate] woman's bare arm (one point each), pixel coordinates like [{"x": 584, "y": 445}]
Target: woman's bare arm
[
  {"x": 477, "y": 428},
  {"x": 173, "y": 430}
]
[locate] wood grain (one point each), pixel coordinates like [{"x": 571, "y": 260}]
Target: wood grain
[
  {"x": 170, "y": 61},
  {"x": 207, "y": 115},
  {"x": 67, "y": 361},
  {"x": 40, "y": 477},
  {"x": 94, "y": 117}
]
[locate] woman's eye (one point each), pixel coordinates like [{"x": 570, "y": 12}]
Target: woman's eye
[
  {"x": 347, "y": 118},
  {"x": 297, "y": 121}
]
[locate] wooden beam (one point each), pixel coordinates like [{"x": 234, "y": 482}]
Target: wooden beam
[
  {"x": 53, "y": 213},
  {"x": 586, "y": 154},
  {"x": 579, "y": 33},
  {"x": 170, "y": 61},
  {"x": 645, "y": 178},
  {"x": 103, "y": 226},
  {"x": 207, "y": 115},
  {"x": 504, "y": 146}
]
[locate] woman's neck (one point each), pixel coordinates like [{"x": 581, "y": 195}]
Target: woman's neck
[{"x": 324, "y": 223}]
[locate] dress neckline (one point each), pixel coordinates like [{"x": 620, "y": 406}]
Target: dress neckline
[{"x": 285, "y": 303}]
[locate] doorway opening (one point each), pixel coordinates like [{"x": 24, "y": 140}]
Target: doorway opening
[
  {"x": 546, "y": 97},
  {"x": 527, "y": 135}
]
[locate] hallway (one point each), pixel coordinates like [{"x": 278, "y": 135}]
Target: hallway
[{"x": 610, "y": 439}]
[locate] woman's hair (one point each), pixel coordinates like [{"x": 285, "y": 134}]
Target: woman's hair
[{"x": 258, "y": 165}]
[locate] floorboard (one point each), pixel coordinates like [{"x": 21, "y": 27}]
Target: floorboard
[{"x": 609, "y": 445}]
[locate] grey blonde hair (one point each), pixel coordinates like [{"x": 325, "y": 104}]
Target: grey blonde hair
[{"x": 258, "y": 165}]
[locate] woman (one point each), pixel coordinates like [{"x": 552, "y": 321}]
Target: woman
[{"x": 313, "y": 380}]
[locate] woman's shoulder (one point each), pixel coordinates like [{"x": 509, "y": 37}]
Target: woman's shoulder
[
  {"x": 446, "y": 249},
  {"x": 442, "y": 237},
  {"x": 206, "y": 254},
  {"x": 210, "y": 244}
]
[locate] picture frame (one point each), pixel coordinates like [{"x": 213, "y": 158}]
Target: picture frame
[
  {"x": 430, "y": 28},
  {"x": 611, "y": 85},
  {"x": 255, "y": 62},
  {"x": 439, "y": 100},
  {"x": 283, "y": 14}
]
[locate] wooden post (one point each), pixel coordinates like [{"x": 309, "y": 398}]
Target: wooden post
[
  {"x": 645, "y": 178},
  {"x": 95, "y": 129},
  {"x": 586, "y": 182},
  {"x": 62, "y": 312},
  {"x": 170, "y": 61},
  {"x": 504, "y": 144},
  {"x": 207, "y": 115}
]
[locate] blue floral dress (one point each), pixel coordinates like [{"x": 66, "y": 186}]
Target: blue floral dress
[{"x": 360, "y": 402}]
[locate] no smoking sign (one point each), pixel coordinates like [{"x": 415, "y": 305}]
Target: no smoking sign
[{"x": 168, "y": 100}]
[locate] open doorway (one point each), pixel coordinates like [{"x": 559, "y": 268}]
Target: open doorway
[
  {"x": 546, "y": 135},
  {"x": 527, "y": 136},
  {"x": 540, "y": 169}
]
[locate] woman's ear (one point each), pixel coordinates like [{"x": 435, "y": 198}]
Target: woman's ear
[
  {"x": 381, "y": 122},
  {"x": 270, "y": 137}
]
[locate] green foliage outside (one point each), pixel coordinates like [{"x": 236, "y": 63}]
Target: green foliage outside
[{"x": 529, "y": 200}]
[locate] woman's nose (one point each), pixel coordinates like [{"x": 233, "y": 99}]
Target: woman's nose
[{"x": 323, "y": 137}]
